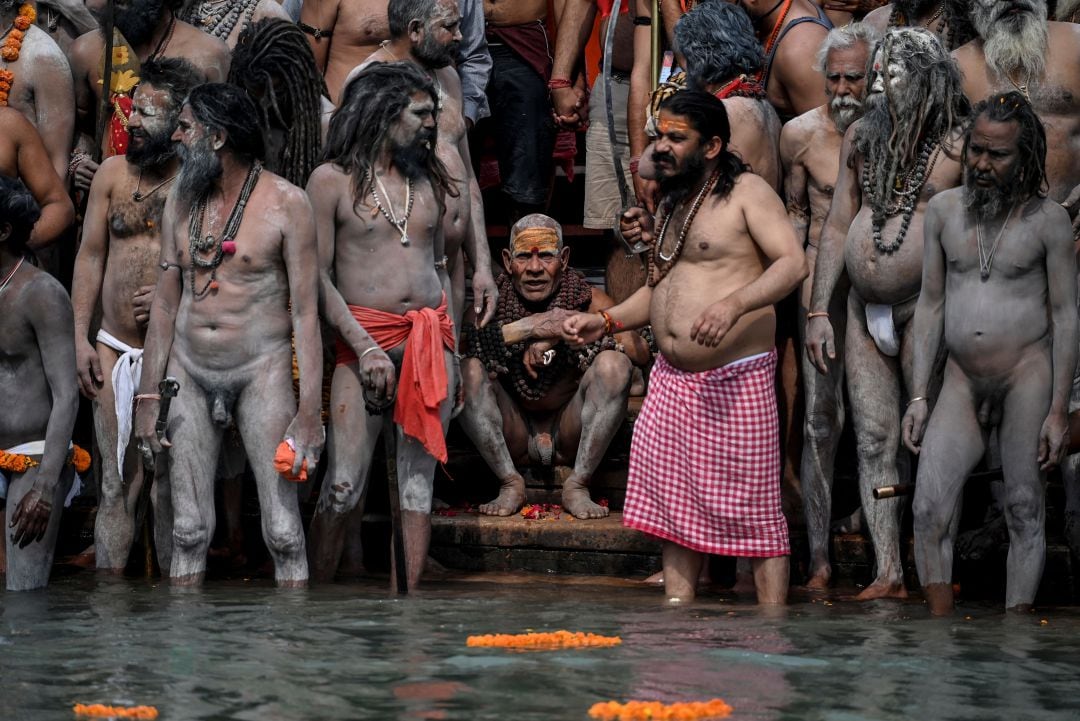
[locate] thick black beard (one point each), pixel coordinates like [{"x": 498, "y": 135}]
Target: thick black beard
[
  {"x": 412, "y": 160},
  {"x": 989, "y": 202},
  {"x": 199, "y": 168},
  {"x": 678, "y": 186},
  {"x": 433, "y": 55},
  {"x": 137, "y": 21},
  {"x": 155, "y": 152}
]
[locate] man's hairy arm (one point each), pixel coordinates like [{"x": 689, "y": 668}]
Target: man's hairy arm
[
  {"x": 829, "y": 266},
  {"x": 574, "y": 28},
  {"x": 635, "y": 347},
  {"x": 476, "y": 247}
]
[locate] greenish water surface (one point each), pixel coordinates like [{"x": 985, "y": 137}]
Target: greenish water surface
[{"x": 249, "y": 652}]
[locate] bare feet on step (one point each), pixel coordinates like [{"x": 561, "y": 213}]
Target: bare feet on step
[
  {"x": 883, "y": 589},
  {"x": 510, "y": 499},
  {"x": 576, "y": 499}
]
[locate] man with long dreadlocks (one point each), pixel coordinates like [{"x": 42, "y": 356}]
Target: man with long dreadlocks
[
  {"x": 117, "y": 265},
  {"x": 427, "y": 34},
  {"x": 705, "y": 457},
  {"x": 1019, "y": 50},
  {"x": 948, "y": 19},
  {"x": 389, "y": 262},
  {"x": 904, "y": 150},
  {"x": 810, "y": 150},
  {"x": 273, "y": 62},
  {"x": 237, "y": 282},
  {"x": 1011, "y": 336},
  {"x": 544, "y": 403},
  {"x": 226, "y": 19}
]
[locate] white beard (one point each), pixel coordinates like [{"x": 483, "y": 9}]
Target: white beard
[{"x": 1022, "y": 49}]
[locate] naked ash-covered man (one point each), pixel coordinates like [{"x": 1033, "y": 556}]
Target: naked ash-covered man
[
  {"x": 999, "y": 292},
  {"x": 117, "y": 266},
  {"x": 903, "y": 151},
  {"x": 237, "y": 282},
  {"x": 705, "y": 458},
  {"x": 810, "y": 152},
  {"x": 379, "y": 203}
]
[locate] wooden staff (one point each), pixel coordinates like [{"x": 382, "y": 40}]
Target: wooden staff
[{"x": 105, "y": 106}]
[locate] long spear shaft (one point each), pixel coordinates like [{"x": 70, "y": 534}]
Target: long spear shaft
[{"x": 104, "y": 109}]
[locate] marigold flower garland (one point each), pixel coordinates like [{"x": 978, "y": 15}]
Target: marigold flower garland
[
  {"x": 9, "y": 51},
  {"x": 656, "y": 711},
  {"x": 98, "y": 710},
  {"x": 557, "y": 639},
  {"x": 19, "y": 463}
]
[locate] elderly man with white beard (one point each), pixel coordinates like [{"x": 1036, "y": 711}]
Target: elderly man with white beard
[
  {"x": 1020, "y": 50},
  {"x": 810, "y": 152},
  {"x": 903, "y": 151}
]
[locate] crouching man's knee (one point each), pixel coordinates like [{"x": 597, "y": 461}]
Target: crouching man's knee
[{"x": 613, "y": 369}]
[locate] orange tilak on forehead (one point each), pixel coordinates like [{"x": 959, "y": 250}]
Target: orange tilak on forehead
[
  {"x": 536, "y": 240},
  {"x": 672, "y": 125}
]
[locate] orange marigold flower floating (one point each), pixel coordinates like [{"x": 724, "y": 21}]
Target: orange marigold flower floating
[
  {"x": 656, "y": 711},
  {"x": 541, "y": 641},
  {"x": 98, "y": 710}
]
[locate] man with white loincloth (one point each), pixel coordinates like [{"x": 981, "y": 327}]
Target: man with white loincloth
[
  {"x": 117, "y": 267},
  {"x": 705, "y": 458}
]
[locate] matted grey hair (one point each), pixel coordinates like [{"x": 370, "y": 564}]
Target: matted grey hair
[
  {"x": 845, "y": 37},
  {"x": 717, "y": 39},
  {"x": 535, "y": 220}
]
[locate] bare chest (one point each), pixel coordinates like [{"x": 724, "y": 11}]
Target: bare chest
[
  {"x": 361, "y": 22},
  {"x": 136, "y": 209}
]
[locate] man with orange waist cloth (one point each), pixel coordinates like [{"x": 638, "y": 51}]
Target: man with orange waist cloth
[{"x": 379, "y": 202}]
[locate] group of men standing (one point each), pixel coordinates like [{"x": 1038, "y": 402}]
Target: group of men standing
[{"x": 237, "y": 221}]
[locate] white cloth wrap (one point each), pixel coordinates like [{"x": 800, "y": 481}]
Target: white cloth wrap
[
  {"x": 880, "y": 325},
  {"x": 126, "y": 375},
  {"x": 37, "y": 448}
]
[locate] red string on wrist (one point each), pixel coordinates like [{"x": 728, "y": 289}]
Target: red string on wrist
[{"x": 559, "y": 83}]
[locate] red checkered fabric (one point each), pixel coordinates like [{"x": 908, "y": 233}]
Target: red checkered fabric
[{"x": 705, "y": 460}]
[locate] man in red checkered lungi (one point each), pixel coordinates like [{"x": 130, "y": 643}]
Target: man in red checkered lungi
[{"x": 705, "y": 459}]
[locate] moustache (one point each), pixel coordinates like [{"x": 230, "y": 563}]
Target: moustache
[
  {"x": 846, "y": 101},
  {"x": 663, "y": 158}
]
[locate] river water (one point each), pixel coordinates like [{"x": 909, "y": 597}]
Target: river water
[{"x": 247, "y": 651}]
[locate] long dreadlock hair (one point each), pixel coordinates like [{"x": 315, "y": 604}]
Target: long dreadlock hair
[
  {"x": 933, "y": 105},
  {"x": 274, "y": 64},
  {"x": 359, "y": 128},
  {"x": 1030, "y": 179}
]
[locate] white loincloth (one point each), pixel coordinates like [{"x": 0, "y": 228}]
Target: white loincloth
[
  {"x": 880, "y": 326},
  {"x": 126, "y": 375},
  {"x": 37, "y": 448}
]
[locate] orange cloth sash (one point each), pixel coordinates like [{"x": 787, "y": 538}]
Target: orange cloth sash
[{"x": 422, "y": 384}]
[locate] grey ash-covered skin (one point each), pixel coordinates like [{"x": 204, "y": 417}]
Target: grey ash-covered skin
[
  {"x": 810, "y": 153},
  {"x": 37, "y": 377},
  {"x": 915, "y": 72},
  {"x": 576, "y": 418},
  {"x": 999, "y": 294},
  {"x": 117, "y": 267},
  {"x": 1021, "y": 49},
  {"x": 386, "y": 126},
  {"x": 229, "y": 345}
]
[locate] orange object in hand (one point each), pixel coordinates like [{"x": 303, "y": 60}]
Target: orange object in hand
[{"x": 284, "y": 457}]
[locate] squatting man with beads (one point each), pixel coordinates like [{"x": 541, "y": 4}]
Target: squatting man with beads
[
  {"x": 385, "y": 290},
  {"x": 237, "y": 281},
  {"x": 530, "y": 399},
  {"x": 1004, "y": 308},
  {"x": 705, "y": 457},
  {"x": 903, "y": 151},
  {"x": 117, "y": 266}
]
